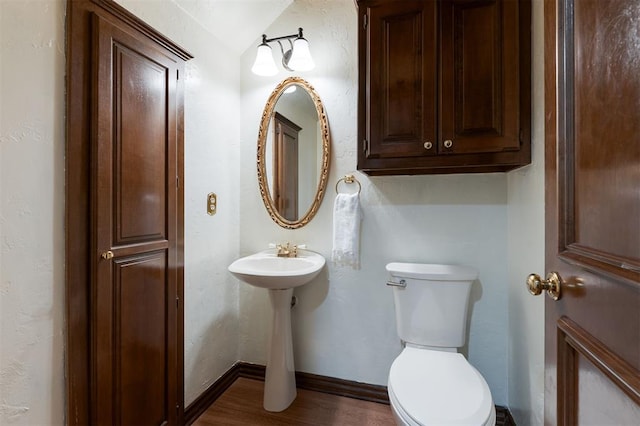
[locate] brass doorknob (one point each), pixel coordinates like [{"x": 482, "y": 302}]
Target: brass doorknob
[
  {"x": 107, "y": 255},
  {"x": 552, "y": 284}
]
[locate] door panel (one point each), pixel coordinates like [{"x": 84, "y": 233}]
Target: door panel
[
  {"x": 618, "y": 409},
  {"x": 140, "y": 333},
  {"x": 592, "y": 334},
  {"x": 605, "y": 108},
  {"x": 140, "y": 168},
  {"x": 134, "y": 309},
  {"x": 594, "y": 382}
]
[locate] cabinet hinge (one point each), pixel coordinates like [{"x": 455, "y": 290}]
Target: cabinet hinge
[
  {"x": 365, "y": 21},
  {"x": 365, "y": 147},
  {"x": 177, "y": 302},
  {"x": 177, "y": 181},
  {"x": 177, "y": 74}
]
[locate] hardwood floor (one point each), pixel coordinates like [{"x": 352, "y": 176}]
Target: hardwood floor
[{"x": 241, "y": 405}]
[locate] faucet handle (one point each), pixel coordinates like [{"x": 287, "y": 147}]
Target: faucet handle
[
  {"x": 283, "y": 251},
  {"x": 288, "y": 249}
]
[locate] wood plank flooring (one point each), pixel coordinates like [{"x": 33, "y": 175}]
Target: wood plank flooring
[{"x": 241, "y": 405}]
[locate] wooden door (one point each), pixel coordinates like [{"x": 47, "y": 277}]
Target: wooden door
[
  {"x": 124, "y": 219},
  {"x": 592, "y": 334},
  {"x": 401, "y": 52},
  {"x": 285, "y": 166},
  {"x": 135, "y": 285}
]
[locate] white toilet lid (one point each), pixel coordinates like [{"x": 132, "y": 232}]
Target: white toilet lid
[{"x": 437, "y": 388}]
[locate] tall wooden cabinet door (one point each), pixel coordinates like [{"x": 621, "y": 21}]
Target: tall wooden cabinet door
[
  {"x": 592, "y": 333},
  {"x": 401, "y": 78},
  {"x": 135, "y": 362},
  {"x": 479, "y": 78}
]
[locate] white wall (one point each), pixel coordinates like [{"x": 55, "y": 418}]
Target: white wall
[
  {"x": 212, "y": 132},
  {"x": 32, "y": 212},
  {"x": 526, "y": 255},
  {"x": 344, "y": 323}
]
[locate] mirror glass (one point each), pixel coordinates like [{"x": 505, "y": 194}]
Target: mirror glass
[{"x": 293, "y": 153}]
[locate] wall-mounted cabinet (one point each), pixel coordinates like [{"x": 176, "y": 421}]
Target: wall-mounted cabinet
[{"x": 444, "y": 86}]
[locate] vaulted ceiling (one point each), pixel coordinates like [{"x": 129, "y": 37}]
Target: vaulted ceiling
[{"x": 237, "y": 23}]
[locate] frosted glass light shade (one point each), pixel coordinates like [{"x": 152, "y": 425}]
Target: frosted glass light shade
[
  {"x": 301, "y": 59},
  {"x": 264, "y": 64}
]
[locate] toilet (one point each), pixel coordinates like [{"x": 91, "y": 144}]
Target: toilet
[{"x": 430, "y": 383}]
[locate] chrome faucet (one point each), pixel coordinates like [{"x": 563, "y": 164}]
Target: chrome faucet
[{"x": 290, "y": 250}]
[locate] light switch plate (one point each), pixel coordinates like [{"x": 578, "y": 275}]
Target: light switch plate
[{"x": 212, "y": 204}]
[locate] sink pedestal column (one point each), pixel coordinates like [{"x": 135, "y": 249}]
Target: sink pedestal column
[{"x": 280, "y": 380}]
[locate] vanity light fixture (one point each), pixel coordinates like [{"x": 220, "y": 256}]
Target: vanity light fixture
[{"x": 297, "y": 58}]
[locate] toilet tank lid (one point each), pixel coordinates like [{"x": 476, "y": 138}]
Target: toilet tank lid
[{"x": 434, "y": 272}]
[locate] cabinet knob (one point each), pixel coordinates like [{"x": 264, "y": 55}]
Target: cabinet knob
[
  {"x": 107, "y": 255},
  {"x": 448, "y": 143},
  {"x": 428, "y": 145}
]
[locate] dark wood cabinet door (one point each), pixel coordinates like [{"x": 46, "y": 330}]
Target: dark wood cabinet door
[
  {"x": 134, "y": 230},
  {"x": 479, "y": 84},
  {"x": 592, "y": 334},
  {"x": 401, "y": 79}
]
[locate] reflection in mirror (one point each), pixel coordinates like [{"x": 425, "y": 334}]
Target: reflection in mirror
[{"x": 293, "y": 153}]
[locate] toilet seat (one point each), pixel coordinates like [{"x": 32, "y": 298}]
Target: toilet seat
[{"x": 429, "y": 387}]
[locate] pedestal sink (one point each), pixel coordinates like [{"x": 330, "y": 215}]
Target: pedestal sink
[{"x": 279, "y": 275}]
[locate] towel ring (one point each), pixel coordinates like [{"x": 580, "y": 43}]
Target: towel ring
[{"x": 348, "y": 179}]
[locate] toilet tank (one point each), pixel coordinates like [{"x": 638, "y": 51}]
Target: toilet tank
[{"x": 431, "y": 310}]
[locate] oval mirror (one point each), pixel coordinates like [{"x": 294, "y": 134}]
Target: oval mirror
[{"x": 293, "y": 153}]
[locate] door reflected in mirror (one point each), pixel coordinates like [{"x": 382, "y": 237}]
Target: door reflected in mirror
[{"x": 293, "y": 153}]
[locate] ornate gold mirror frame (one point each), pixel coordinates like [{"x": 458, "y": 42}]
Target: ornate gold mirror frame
[{"x": 267, "y": 116}]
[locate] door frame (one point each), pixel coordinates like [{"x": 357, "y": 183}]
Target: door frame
[{"x": 78, "y": 209}]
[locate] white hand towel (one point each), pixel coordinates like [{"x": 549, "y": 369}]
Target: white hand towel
[{"x": 346, "y": 230}]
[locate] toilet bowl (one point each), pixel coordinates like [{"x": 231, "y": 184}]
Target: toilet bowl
[
  {"x": 430, "y": 387},
  {"x": 430, "y": 383}
]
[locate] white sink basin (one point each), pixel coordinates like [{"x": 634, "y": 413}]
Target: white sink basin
[
  {"x": 279, "y": 275},
  {"x": 266, "y": 270}
]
